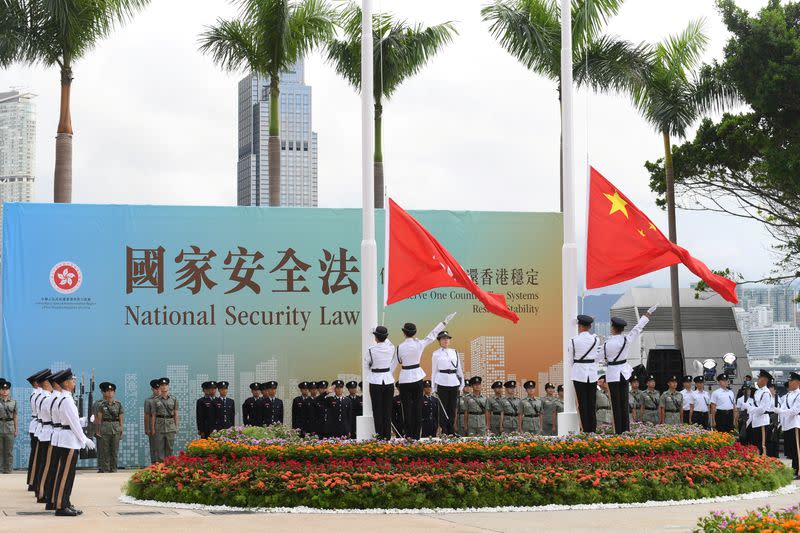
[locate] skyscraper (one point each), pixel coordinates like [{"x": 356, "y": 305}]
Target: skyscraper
[
  {"x": 488, "y": 358},
  {"x": 781, "y": 298},
  {"x": 17, "y": 147},
  {"x": 298, "y": 142}
]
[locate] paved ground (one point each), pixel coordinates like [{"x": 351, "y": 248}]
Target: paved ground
[{"x": 97, "y": 495}]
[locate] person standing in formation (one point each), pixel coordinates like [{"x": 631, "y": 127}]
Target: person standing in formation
[
  {"x": 206, "y": 411},
  {"x": 398, "y": 416},
  {"x": 650, "y": 403},
  {"x": 381, "y": 362},
  {"x": 272, "y": 408},
  {"x": 57, "y": 447},
  {"x": 700, "y": 403},
  {"x": 512, "y": 413},
  {"x": 44, "y": 433},
  {"x": 226, "y": 407},
  {"x": 743, "y": 404},
  {"x": 791, "y": 422},
  {"x": 461, "y": 426},
  {"x": 559, "y": 403},
  {"x": 583, "y": 351},
  {"x": 686, "y": 394},
  {"x": 8, "y": 427},
  {"x": 109, "y": 423},
  {"x": 165, "y": 421},
  {"x": 320, "y": 414},
  {"x": 496, "y": 408},
  {"x": 340, "y": 412},
  {"x": 670, "y": 403},
  {"x": 357, "y": 402},
  {"x": 409, "y": 356},
  {"x": 300, "y": 406},
  {"x": 603, "y": 402},
  {"x": 549, "y": 405},
  {"x": 149, "y": 418},
  {"x": 531, "y": 408},
  {"x": 722, "y": 406},
  {"x": 432, "y": 411},
  {"x": 447, "y": 377},
  {"x": 35, "y": 381},
  {"x": 763, "y": 405},
  {"x": 477, "y": 420},
  {"x": 615, "y": 352},
  {"x": 635, "y": 400},
  {"x": 249, "y": 406}
]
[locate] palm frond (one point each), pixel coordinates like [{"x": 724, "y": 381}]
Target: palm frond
[
  {"x": 589, "y": 17},
  {"x": 682, "y": 52},
  {"x": 609, "y": 63},
  {"x": 232, "y": 44},
  {"x": 310, "y": 25}
]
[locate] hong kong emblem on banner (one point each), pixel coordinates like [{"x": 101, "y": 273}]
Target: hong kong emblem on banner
[{"x": 66, "y": 277}]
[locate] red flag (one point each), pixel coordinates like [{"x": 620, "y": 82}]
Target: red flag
[
  {"x": 622, "y": 243},
  {"x": 416, "y": 262}
]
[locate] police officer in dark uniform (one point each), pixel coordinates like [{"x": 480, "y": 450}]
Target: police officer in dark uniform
[
  {"x": 301, "y": 409},
  {"x": 357, "y": 402},
  {"x": 320, "y": 413},
  {"x": 271, "y": 407},
  {"x": 227, "y": 407},
  {"x": 339, "y": 412},
  {"x": 249, "y": 406},
  {"x": 206, "y": 410},
  {"x": 398, "y": 420},
  {"x": 432, "y": 409}
]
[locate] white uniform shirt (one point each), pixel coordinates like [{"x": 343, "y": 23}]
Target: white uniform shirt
[
  {"x": 615, "y": 352},
  {"x": 791, "y": 414},
  {"x": 446, "y": 359},
  {"x": 34, "y": 410},
  {"x": 763, "y": 405},
  {"x": 71, "y": 435},
  {"x": 701, "y": 400},
  {"x": 56, "y": 416},
  {"x": 743, "y": 404},
  {"x": 46, "y": 428},
  {"x": 687, "y": 398},
  {"x": 587, "y": 344},
  {"x": 723, "y": 399},
  {"x": 381, "y": 356},
  {"x": 409, "y": 353}
]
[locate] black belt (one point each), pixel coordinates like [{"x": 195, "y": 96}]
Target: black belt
[
  {"x": 582, "y": 361},
  {"x": 163, "y": 416},
  {"x": 448, "y": 371},
  {"x": 615, "y": 363},
  {"x": 531, "y": 416},
  {"x": 47, "y": 423},
  {"x": 651, "y": 408},
  {"x": 65, "y": 427},
  {"x": 379, "y": 370},
  {"x": 114, "y": 419},
  {"x": 497, "y": 413},
  {"x": 6, "y": 419},
  {"x": 410, "y": 367},
  {"x": 672, "y": 411},
  {"x": 724, "y": 410},
  {"x": 57, "y": 426},
  {"x": 478, "y": 413},
  {"x": 604, "y": 408}
]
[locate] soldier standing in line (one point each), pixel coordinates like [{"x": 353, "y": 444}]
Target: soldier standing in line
[
  {"x": 759, "y": 421},
  {"x": 165, "y": 421},
  {"x": 583, "y": 351},
  {"x": 109, "y": 423},
  {"x": 549, "y": 406},
  {"x": 701, "y": 401},
  {"x": 461, "y": 410},
  {"x": 149, "y": 418},
  {"x": 559, "y": 403},
  {"x": 228, "y": 418},
  {"x": 262, "y": 407},
  {"x": 530, "y": 409},
  {"x": 299, "y": 414},
  {"x": 635, "y": 400},
  {"x": 339, "y": 412},
  {"x": 497, "y": 405},
  {"x": 249, "y": 405},
  {"x": 206, "y": 411},
  {"x": 34, "y": 401},
  {"x": 650, "y": 403},
  {"x": 790, "y": 414},
  {"x": 603, "y": 402},
  {"x": 477, "y": 421},
  {"x": 432, "y": 410},
  {"x": 686, "y": 394},
  {"x": 44, "y": 433},
  {"x": 671, "y": 403},
  {"x": 274, "y": 413},
  {"x": 320, "y": 413},
  {"x": 357, "y": 403},
  {"x": 8, "y": 427},
  {"x": 398, "y": 416},
  {"x": 512, "y": 413},
  {"x": 722, "y": 406}
]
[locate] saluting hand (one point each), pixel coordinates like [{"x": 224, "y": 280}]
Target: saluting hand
[
  {"x": 449, "y": 317},
  {"x": 652, "y": 310}
]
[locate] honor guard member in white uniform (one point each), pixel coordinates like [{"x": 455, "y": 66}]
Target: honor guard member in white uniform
[
  {"x": 722, "y": 406},
  {"x": 687, "y": 393},
  {"x": 58, "y": 451},
  {"x": 381, "y": 362},
  {"x": 584, "y": 350},
  {"x": 618, "y": 371},
  {"x": 8, "y": 426},
  {"x": 72, "y": 440},
  {"x": 701, "y": 401},
  {"x": 33, "y": 400},
  {"x": 447, "y": 377},
  {"x": 670, "y": 403},
  {"x": 758, "y": 421},
  {"x": 791, "y": 422},
  {"x": 409, "y": 356},
  {"x": 43, "y": 433},
  {"x": 650, "y": 400}
]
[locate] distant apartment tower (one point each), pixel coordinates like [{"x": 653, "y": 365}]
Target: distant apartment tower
[
  {"x": 781, "y": 298},
  {"x": 488, "y": 358},
  {"x": 298, "y": 141},
  {"x": 781, "y": 340},
  {"x": 17, "y": 147}
]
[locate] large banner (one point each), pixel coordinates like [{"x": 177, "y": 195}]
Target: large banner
[{"x": 252, "y": 294}]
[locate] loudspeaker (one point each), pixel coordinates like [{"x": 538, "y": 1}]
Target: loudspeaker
[{"x": 663, "y": 363}]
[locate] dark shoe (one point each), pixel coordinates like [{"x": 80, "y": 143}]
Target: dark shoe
[
  {"x": 30, "y": 488},
  {"x": 69, "y": 511},
  {"x": 72, "y": 508},
  {"x": 50, "y": 507},
  {"x": 41, "y": 500}
]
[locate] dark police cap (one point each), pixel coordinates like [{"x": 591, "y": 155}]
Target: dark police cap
[
  {"x": 410, "y": 329},
  {"x": 302, "y": 385},
  {"x": 359, "y": 385},
  {"x": 351, "y": 385},
  {"x": 601, "y": 376},
  {"x": 443, "y": 335},
  {"x": 497, "y": 385},
  {"x": 618, "y": 322},
  {"x": 322, "y": 384},
  {"x": 426, "y": 383},
  {"x": 154, "y": 383},
  {"x": 634, "y": 378},
  {"x": 585, "y": 320},
  {"x": 672, "y": 378},
  {"x": 52, "y": 377},
  {"x": 723, "y": 377},
  {"x": 338, "y": 383},
  {"x": 107, "y": 386},
  {"x": 163, "y": 381},
  {"x": 4, "y": 384},
  {"x": 255, "y": 385},
  {"x": 546, "y": 385},
  {"x": 764, "y": 374},
  {"x": 262, "y": 386},
  {"x": 686, "y": 379},
  {"x": 223, "y": 384},
  {"x": 794, "y": 376},
  {"x": 63, "y": 376},
  {"x": 510, "y": 384},
  {"x": 651, "y": 377},
  {"x": 37, "y": 377},
  {"x": 560, "y": 388},
  {"x": 44, "y": 375},
  {"x": 272, "y": 384},
  {"x": 380, "y": 330},
  {"x": 209, "y": 385},
  {"x": 476, "y": 380},
  {"x": 531, "y": 384},
  {"x": 699, "y": 379}
]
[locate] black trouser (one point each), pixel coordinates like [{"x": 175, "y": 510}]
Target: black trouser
[
  {"x": 761, "y": 437},
  {"x": 685, "y": 417},
  {"x": 56, "y": 460},
  {"x": 791, "y": 447},
  {"x": 700, "y": 419},
  {"x": 449, "y": 398},
  {"x": 586, "y": 396},
  {"x": 32, "y": 461},
  {"x": 65, "y": 477},
  {"x": 619, "y": 405},
  {"x": 41, "y": 458},
  {"x": 381, "y": 397},
  {"x": 723, "y": 420},
  {"x": 411, "y": 398}
]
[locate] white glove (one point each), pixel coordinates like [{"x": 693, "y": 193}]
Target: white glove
[
  {"x": 652, "y": 309},
  {"x": 91, "y": 419},
  {"x": 448, "y": 318},
  {"x": 90, "y": 445},
  {"x": 83, "y": 421}
]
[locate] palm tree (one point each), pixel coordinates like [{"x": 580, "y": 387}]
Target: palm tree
[
  {"x": 530, "y": 30},
  {"x": 400, "y": 51},
  {"x": 267, "y": 38},
  {"x": 673, "y": 95},
  {"x": 59, "y": 33}
]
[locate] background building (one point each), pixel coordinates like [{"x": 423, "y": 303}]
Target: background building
[
  {"x": 488, "y": 358},
  {"x": 780, "y": 298},
  {"x": 298, "y": 142},
  {"x": 17, "y": 148},
  {"x": 779, "y": 341}
]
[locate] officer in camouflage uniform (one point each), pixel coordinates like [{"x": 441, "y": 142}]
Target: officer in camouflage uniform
[
  {"x": 461, "y": 411},
  {"x": 650, "y": 401},
  {"x": 549, "y": 407},
  {"x": 559, "y": 403},
  {"x": 635, "y": 400},
  {"x": 477, "y": 410},
  {"x": 165, "y": 421},
  {"x": 109, "y": 421},
  {"x": 670, "y": 403},
  {"x": 8, "y": 426},
  {"x": 497, "y": 404},
  {"x": 603, "y": 403},
  {"x": 530, "y": 408},
  {"x": 511, "y": 414}
]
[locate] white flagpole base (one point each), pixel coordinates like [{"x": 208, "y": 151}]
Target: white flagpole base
[
  {"x": 365, "y": 427},
  {"x": 568, "y": 424}
]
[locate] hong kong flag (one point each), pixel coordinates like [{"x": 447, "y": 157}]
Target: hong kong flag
[
  {"x": 416, "y": 263},
  {"x": 622, "y": 243}
]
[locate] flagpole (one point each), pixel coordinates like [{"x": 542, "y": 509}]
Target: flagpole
[
  {"x": 568, "y": 421},
  {"x": 365, "y": 425}
]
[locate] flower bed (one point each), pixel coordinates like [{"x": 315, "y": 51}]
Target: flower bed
[
  {"x": 246, "y": 469},
  {"x": 762, "y": 519}
]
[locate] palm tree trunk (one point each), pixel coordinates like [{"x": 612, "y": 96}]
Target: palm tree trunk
[
  {"x": 378, "y": 179},
  {"x": 673, "y": 236},
  {"x": 62, "y": 177},
  {"x": 274, "y": 143}
]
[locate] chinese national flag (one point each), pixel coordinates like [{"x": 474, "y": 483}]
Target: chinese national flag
[
  {"x": 416, "y": 262},
  {"x": 622, "y": 243}
]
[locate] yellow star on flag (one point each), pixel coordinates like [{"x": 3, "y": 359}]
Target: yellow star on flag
[
  {"x": 652, "y": 227},
  {"x": 641, "y": 232},
  {"x": 617, "y": 204}
]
